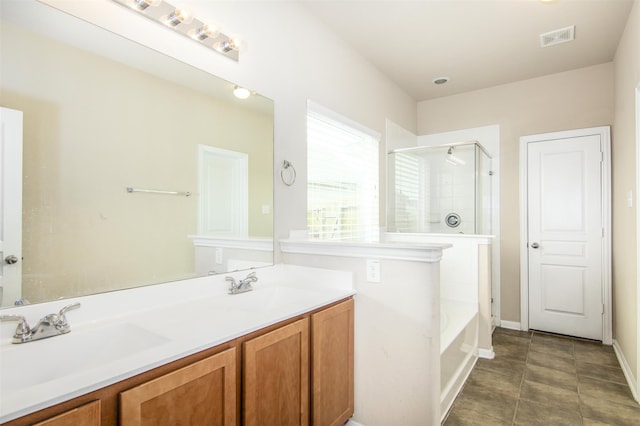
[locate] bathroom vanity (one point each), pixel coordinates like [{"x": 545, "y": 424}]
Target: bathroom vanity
[{"x": 290, "y": 362}]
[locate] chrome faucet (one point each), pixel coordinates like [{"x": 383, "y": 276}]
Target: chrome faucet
[
  {"x": 241, "y": 286},
  {"x": 48, "y": 326}
]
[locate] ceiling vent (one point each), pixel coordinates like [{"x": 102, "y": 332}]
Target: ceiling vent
[{"x": 557, "y": 36}]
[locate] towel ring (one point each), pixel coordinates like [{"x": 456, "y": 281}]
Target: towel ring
[{"x": 291, "y": 173}]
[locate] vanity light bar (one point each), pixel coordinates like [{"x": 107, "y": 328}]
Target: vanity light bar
[{"x": 182, "y": 21}]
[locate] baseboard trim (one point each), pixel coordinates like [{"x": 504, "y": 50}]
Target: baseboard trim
[
  {"x": 452, "y": 390},
  {"x": 352, "y": 423},
  {"x": 495, "y": 321},
  {"x": 486, "y": 353},
  {"x": 511, "y": 325},
  {"x": 626, "y": 370}
]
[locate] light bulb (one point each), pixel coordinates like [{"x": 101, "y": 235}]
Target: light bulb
[
  {"x": 241, "y": 92},
  {"x": 235, "y": 42},
  {"x": 223, "y": 46},
  {"x": 179, "y": 16},
  {"x": 206, "y": 31},
  {"x": 143, "y": 4},
  {"x": 226, "y": 46}
]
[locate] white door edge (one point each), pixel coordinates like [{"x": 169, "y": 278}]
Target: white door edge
[
  {"x": 605, "y": 137},
  {"x": 637, "y": 379},
  {"x": 11, "y": 122}
]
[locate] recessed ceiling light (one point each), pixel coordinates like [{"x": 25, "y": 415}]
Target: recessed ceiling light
[{"x": 440, "y": 80}]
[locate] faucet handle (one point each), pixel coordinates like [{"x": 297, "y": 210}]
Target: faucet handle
[
  {"x": 68, "y": 308},
  {"x": 62, "y": 319},
  {"x": 22, "y": 330},
  {"x": 233, "y": 286}
]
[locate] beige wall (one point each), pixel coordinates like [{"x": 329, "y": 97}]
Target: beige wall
[
  {"x": 569, "y": 100},
  {"x": 84, "y": 142},
  {"x": 625, "y": 297}
]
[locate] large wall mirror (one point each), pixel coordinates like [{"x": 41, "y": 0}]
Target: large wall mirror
[{"x": 102, "y": 114}]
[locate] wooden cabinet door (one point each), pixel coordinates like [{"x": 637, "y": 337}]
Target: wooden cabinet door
[
  {"x": 332, "y": 343},
  {"x": 202, "y": 393},
  {"x": 85, "y": 415},
  {"x": 276, "y": 377}
]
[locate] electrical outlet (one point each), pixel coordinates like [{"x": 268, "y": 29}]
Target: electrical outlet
[
  {"x": 373, "y": 270},
  {"x": 218, "y": 255}
]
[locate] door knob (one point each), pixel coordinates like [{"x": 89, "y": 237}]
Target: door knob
[
  {"x": 11, "y": 259},
  {"x": 535, "y": 245}
]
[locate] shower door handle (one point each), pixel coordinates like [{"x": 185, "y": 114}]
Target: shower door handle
[{"x": 535, "y": 245}]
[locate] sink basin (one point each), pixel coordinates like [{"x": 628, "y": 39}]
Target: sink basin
[
  {"x": 45, "y": 360},
  {"x": 270, "y": 298}
]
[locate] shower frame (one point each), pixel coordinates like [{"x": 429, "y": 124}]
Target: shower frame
[{"x": 481, "y": 182}]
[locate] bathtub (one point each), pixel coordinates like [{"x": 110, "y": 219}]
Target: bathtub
[
  {"x": 458, "y": 348},
  {"x": 465, "y": 306}
]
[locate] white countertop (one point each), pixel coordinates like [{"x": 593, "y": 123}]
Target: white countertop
[{"x": 121, "y": 334}]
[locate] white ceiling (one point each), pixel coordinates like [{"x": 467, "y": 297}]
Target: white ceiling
[{"x": 476, "y": 43}]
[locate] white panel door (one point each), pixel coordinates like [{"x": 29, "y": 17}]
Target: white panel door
[
  {"x": 565, "y": 236},
  {"x": 223, "y": 181},
  {"x": 10, "y": 206}
]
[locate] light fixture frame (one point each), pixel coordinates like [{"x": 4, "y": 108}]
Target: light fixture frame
[{"x": 160, "y": 12}]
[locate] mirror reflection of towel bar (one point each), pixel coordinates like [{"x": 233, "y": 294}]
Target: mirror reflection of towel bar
[{"x": 156, "y": 191}]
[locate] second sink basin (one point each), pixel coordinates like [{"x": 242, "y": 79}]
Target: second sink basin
[
  {"x": 38, "y": 362},
  {"x": 269, "y": 298}
]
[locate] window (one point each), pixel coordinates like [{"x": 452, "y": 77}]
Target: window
[
  {"x": 407, "y": 175},
  {"x": 342, "y": 192}
]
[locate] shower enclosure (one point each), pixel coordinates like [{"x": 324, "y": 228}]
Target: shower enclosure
[{"x": 441, "y": 189}]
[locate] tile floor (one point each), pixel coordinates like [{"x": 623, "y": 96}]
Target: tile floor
[{"x": 544, "y": 379}]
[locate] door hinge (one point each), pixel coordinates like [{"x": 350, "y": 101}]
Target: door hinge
[{"x": 602, "y": 309}]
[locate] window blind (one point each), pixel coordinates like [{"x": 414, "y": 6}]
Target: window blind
[
  {"x": 342, "y": 192},
  {"x": 407, "y": 192}
]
